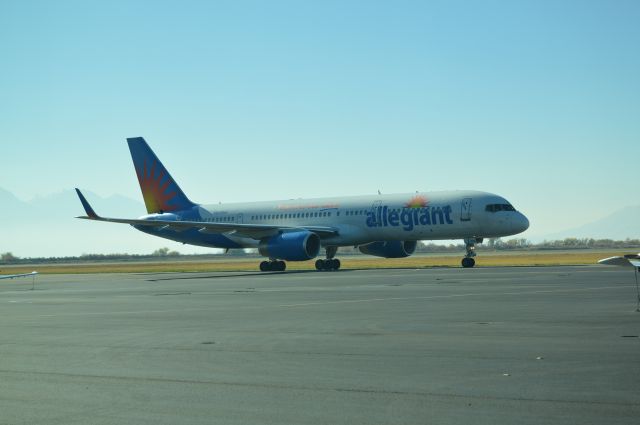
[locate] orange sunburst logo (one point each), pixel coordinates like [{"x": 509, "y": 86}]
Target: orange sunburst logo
[
  {"x": 417, "y": 201},
  {"x": 154, "y": 189}
]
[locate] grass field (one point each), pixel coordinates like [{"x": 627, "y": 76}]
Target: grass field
[{"x": 538, "y": 258}]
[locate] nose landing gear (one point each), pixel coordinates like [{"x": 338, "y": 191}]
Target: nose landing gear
[
  {"x": 468, "y": 262},
  {"x": 470, "y": 245}
]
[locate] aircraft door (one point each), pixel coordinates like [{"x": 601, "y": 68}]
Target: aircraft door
[
  {"x": 465, "y": 210},
  {"x": 239, "y": 218}
]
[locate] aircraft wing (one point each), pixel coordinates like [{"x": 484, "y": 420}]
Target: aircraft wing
[
  {"x": 255, "y": 231},
  {"x": 11, "y": 276},
  {"x": 631, "y": 260}
]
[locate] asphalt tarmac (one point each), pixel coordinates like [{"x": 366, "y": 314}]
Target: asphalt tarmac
[{"x": 552, "y": 345}]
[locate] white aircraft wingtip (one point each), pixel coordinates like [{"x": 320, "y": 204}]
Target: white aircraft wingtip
[{"x": 615, "y": 261}]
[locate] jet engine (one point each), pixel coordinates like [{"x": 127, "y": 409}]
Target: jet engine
[
  {"x": 390, "y": 249},
  {"x": 292, "y": 246}
]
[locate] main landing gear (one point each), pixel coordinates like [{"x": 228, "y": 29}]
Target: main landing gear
[
  {"x": 330, "y": 263},
  {"x": 470, "y": 244},
  {"x": 273, "y": 266}
]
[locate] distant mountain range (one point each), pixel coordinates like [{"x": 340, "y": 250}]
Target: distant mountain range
[
  {"x": 620, "y": 225},
  {"x": 46, "y": 227}
]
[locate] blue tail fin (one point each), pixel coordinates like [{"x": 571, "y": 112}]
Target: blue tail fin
[
  {"x": 160, "y": 192},
  {"x": 87, "y": 208}
]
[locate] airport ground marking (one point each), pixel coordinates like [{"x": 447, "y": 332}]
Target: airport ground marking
[
  {"x": 302, "y": 387},
  {"x": 355, "y": 301},
  {"x": 365, "y": 300}
]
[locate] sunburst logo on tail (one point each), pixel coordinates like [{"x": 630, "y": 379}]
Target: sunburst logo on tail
[
  {"x": 417, "y": 201},
  {"x": 156, "y": 189}
]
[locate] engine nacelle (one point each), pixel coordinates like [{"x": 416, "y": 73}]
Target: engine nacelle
[
  {"x": 390, "y": 249},
  {"x": 291, "y": 246}
]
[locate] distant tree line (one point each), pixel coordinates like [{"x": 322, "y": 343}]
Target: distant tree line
[
  {"x": 497, "y": 244},
  {"x": 567, "y": 243},
  {"x": 491, "y": 244},
  {"x": 9, "y": 258}
]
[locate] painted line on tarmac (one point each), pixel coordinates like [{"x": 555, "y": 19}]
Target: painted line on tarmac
[
  {"x": 365, "y": 300},
  {"x": 482, "y": 294}
]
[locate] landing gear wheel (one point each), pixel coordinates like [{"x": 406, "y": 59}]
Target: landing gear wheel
[
  {"x": 273, "y": 266},
  {"x": 264, "y": 266},
  {"x": 468, "y": 262},
  {"x": 328, "y": 265},
  {"x": 470, "y": 245}
]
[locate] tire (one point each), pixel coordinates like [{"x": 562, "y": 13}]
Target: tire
[
  {"x": 335, "y": 264},
  {"x": 468, "y": 262},
  {"x": 319, "y": 265},
  {"x": 264, "y": 266}
]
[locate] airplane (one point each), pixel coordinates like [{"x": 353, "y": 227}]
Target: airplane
[
  {"x": 629, "y": 260},
  {"x": 388, "y": 226},
  {"x": 12, "y": 276}
]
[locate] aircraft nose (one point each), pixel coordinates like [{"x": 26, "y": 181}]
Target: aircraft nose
[{"x": 520, "y": 223}]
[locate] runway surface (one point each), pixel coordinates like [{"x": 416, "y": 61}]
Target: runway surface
[{"x": 439, "y": 346}]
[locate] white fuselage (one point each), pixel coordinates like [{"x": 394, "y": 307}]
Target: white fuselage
[{"x": 361, "y": 220}]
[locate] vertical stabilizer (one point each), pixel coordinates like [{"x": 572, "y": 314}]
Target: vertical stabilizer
[{"x": 160, "y": 191}]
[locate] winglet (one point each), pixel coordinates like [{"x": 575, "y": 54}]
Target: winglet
[{"x": 87, "y": 208}]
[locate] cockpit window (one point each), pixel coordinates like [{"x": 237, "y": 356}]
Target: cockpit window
[{"x": 499, "y": 207}]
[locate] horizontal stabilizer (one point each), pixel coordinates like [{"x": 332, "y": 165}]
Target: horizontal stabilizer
[{"x": 255, "y": 231}]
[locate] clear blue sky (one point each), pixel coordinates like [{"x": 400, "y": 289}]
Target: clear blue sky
[{"x": 538, "y": 101}]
